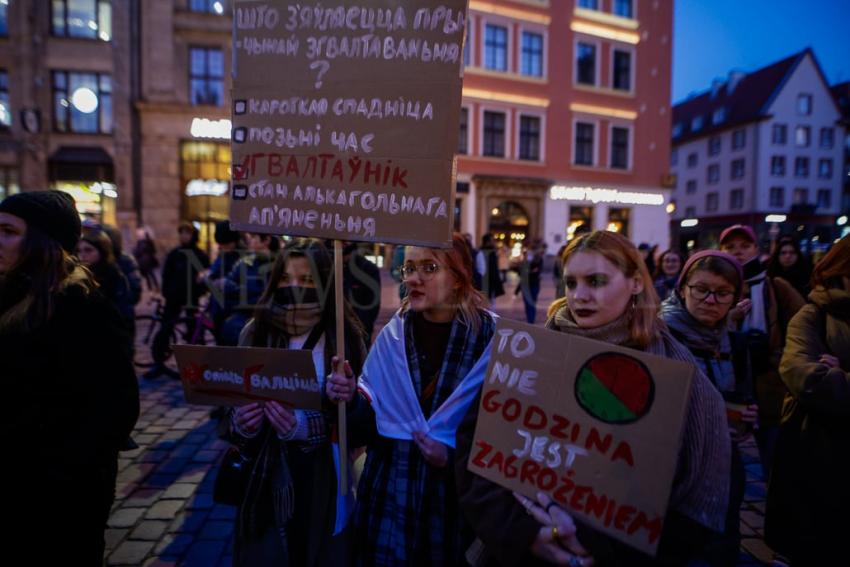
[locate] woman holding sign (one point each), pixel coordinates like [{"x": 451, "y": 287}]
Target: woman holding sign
[
  {"x": 292, "y": 513},
  {"x": 697, "y": 315},
  {"x": 610, "y": 298},
  {"x": 424, "y": 370}
]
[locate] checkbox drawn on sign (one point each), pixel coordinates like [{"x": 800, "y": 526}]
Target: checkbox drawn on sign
[
  {"x": 240, "y": 135},
  {"x": 240, "y": 192},
  {"x": 240, "y": 107}
]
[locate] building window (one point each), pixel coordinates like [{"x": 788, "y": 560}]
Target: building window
[
  {"x": 622, "y": 70},
  {"x": 584, "y": 143},
  {"x": 713, "y": 174},
  {"x": 532, "y": 54},
  {"x": 691, "y": 186},
  {"x": 739, "y": 139},
  {"x": 801, "y": 196},
  {"x": 529, "y": 138},
  {"x": 4, "y": 18},
  {"x": 827, "y": 138},
  {"x": 624, "y": 8},
  {"x": 589, "y": 4},
  {"x": 696, "y": 123},
  {"x": 738, "y": 168},
  {"x": 777, "y": 166},
  {"x": 82, "y": 102},
  {"x": 804, "y": 104},
  {"x": 463, "y": 134},
  {"x": 714, "y": 145},
  {"x": 825, "y": 169},
  {"x": 496, "y": 47},
  {"x": 8, "y": 182},
  {"x": 824, "y": 198},
  {"x": 5, "y": 107},
  {"x": 777, "y": 196},
  {"x": 674, "y": 157},
  {"x": 618, "y": 220},
  {"x": 711, "y": 202},
  {"x": 206, "y": 76},
  {"x": 210, "y": 6},
  {"x": 690, "y": 212},
  {"x": 719, "y": 116},
  {"x": 801, "y": 167},
  {"x": 677, "y": 129},
  {"x": 779, "y": 134},
  {"x": 494, "y": 134},
  {"x": 90, "y": 19},
  {"x": 467, "y": 49},
  {"x": 586, "y": 63},
  {"x": 736, "y": 199},
  {"x": 619, "y": 148},
  {"x": 692, "y": 160},
  {"x": 802, "y": 136},
  {"x": 205, "y": 179}
]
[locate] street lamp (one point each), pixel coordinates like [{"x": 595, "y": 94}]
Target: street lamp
[{"x": 84, "y": 100}]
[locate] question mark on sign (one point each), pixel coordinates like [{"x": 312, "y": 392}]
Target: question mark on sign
[{"x": 323, "y": 67}]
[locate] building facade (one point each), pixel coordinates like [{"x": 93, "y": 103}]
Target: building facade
[
  {"x": 65, "y": 111},
  {"x": 763, "y": 149},
  {"x": 565, "y": 120},
  {"x": 841, "y": 93}
]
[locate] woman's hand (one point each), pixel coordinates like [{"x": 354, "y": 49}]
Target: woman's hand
[
  {"x": 436, "y": 454},
  {"x": 281, "y": 418},
  {"x": 829, "y": 360},
  {"x": 341, "y": 387},
  {"x": 248, "y": 418},
  {"x": 740, "y": 310},
  {"x": 751, "y": 415},
  {"x": 556, "y": 541}
]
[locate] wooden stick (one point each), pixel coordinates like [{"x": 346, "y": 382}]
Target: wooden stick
[{"x": 340, "y": 353}]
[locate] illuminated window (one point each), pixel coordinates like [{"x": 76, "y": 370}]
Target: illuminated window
[
  {"x": 91, "y": 19},
  {"x": 209, "y": 6},
  {"x": 82, "y": 102},
  {"x": 5, "y": 107}
]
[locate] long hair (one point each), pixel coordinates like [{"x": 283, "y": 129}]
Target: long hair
[
  {"x": 644, "y": 325},
  {"x": 659, "y": 266},
  {"x": 799, "y": 273},
  {"x": 321, "y": 268},
  {"x": 27, "y": 291},
  {"x": 834, "y": 266},
  {"x": 467, "y": 300}
]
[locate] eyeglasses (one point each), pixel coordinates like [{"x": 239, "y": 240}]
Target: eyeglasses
[
  {"x": 426, "y": 270},
  {"x": 721, "y": 296}
]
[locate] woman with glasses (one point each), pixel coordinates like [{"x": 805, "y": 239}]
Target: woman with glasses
[
  {"x": 424, "y": 370},
  {"x": 609, "y": 298},
  {"x": 697, "y": 314}
]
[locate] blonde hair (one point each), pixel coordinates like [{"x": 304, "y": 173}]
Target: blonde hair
[
  {"x": 644, "y": 325},
  {"x": 468, "y": 300}
]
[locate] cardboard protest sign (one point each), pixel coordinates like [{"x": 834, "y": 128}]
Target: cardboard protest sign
[
  {"x": 345, "y": 118},
  {"x": 595, "y": 426},
  {"x": 235, "y": 376}
]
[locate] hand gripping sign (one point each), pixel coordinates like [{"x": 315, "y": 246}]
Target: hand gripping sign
[{"x": 595, "y": 426}]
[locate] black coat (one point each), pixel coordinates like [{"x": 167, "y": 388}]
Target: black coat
[
  {"x": 180, "y": 275},
  {"x": 72, "y": 400}
]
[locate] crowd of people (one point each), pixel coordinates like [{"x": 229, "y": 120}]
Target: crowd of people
[{"x": 770, "y": 339}]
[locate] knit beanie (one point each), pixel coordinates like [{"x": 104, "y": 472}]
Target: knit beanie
[{"x": 53, "y": 212}]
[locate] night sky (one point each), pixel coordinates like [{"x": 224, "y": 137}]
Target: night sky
[{"x": 712, "y": 37}]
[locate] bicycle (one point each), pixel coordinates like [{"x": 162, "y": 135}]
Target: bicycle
[{"x": 195, "y": 329}]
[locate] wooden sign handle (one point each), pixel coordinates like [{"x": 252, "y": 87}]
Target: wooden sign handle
[{"x": 340, "y": 354}]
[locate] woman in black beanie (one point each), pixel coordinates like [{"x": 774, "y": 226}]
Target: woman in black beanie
[{"x": 68, "y": 379}]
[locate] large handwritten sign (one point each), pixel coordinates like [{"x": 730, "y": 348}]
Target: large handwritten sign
[
  {"x": 595, "y": 426},
  {"x": 345, "y": 118},
  {"x": 234, "y": 376}
]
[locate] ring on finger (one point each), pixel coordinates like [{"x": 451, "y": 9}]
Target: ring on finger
[{"x": 554, "y": 532}]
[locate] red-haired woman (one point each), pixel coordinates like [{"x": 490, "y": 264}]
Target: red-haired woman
[
  {"x": 809, "y": 491},
  {"x": 424, "y": 370},
  {"x": 610, "y": 298}
]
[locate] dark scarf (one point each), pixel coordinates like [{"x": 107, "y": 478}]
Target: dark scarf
[
  {"x": 701, "y": 488},
  {"x": 709, "y": 345},
  {"x": 295, "y": 310}
]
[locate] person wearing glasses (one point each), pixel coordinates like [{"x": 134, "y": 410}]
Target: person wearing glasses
[
  {"x": 423, "y": 372},
  {"x": 697, "y": 313}
]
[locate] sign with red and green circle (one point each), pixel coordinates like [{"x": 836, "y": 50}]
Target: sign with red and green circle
[{"x": 615, "y": 388}]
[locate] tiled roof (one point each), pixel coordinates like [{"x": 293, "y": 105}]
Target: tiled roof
[{"x": 746, "y": 103}]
